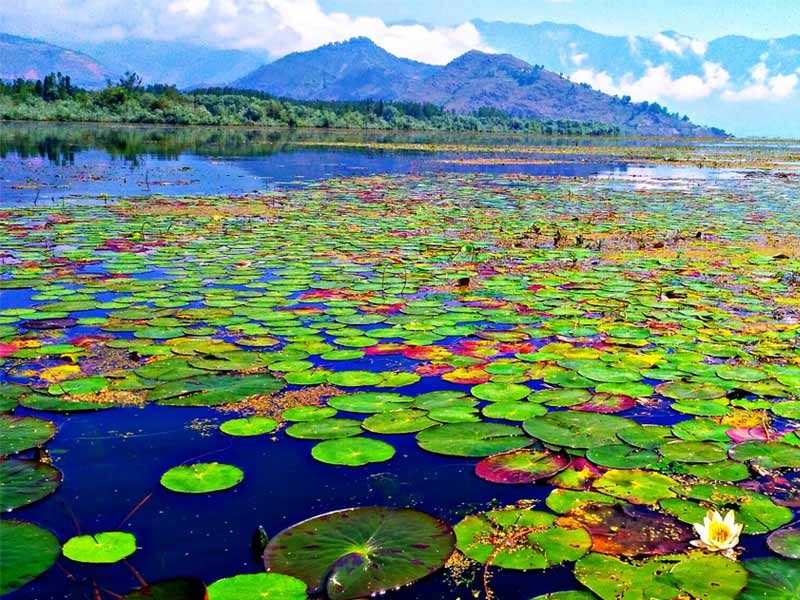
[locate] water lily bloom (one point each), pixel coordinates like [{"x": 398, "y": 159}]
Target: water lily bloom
[{"x": 718, "y": 534}]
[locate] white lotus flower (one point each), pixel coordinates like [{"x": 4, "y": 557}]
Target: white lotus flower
[{"x": 718, "y": 534}]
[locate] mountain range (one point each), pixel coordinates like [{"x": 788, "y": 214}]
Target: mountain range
[
  {"x": 360, "y": 70},
  {"x": 746, "y": 85}
]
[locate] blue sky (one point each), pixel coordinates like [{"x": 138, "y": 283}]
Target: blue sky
[{"x": 706, "y": 19}]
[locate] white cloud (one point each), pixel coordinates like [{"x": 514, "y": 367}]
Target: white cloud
[
  {"x": 764, "y": 87},
  {"x": 679, "y": 43},
  {"x": 577, "y": 59},
  {"x": 278, "y": 26},
  {"x": 657, "y": 83}
]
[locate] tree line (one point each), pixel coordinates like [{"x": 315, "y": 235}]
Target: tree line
[{"x": 56, "y": 98}]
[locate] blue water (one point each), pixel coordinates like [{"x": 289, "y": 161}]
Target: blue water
[{"x": 112, "y": 460}]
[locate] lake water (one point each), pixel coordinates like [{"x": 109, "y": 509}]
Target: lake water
[{"x": 112, "y": 459}]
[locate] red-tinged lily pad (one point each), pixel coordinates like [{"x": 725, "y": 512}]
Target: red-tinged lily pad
[
  {"x": 607, "y": 403},
  {"x": 625, "y": 530},
  {"x": 361, "y": 552},
  {"x": 521, "y": 466},
  {"x": 785, "y": 542}
]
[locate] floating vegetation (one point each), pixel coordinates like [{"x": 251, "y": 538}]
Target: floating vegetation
[{"x": 625, "y": 351}]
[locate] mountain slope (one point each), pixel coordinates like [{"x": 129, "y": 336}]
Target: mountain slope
[
  {"x": 33, "y": 59},
  {"x": 477, "y": 79},
  {"x": 360, "y": 70},
  {"x": 176, "y": 63},
  {"x": 353, "y": 70}
]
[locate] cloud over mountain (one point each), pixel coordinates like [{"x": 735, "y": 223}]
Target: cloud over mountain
[{"x": 277, "y": 26}]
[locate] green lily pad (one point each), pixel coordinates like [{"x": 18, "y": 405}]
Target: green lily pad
[
  {"x": 409, "y": 420},
  {"x": 23, "y": 482},
  {"x": 26, "y": 552},
  {"x": 359, "y": 552},
  {"x": 249, "y": 426},
  {"x": 636, "y": 486},
  {"x": 272, "y": 586},
  {"x": 308, "y": 413},
  {"x": 472, "y": 439},
  {"x": 768, "y": 455},
  {"x": 577, "y": 429},
  {"x": 23, "y": 433},
  {"x": 662, "y": 578},
  {"x": 352, "y": 452},
  {"x": 529, "y": 539},
  {"x": 201, "y": 478},
  {"x": 100, "y": 548},
  {"x": 683, "y": 390},
  {"x": 772, "y": 579},
  {"x": 622, "y": 456},
  {"x": 757, "y": 512},
  {"x": 354, "y": 378},
  {"x": 325, "y": 429},
  {"x": 692, "y": 452},
  {"x": 513, "y": 410},
  {"x": 500, "y": 392},
  {"x": 370, "y": 402}
]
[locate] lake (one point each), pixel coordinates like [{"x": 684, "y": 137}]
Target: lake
[{"x": 629, "y": 305}]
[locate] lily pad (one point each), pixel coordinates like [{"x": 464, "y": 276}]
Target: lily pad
[
  {"x": 768, "y": 455},
  {"x": 249, "y": 426},
  {"x": 409, "y": 420},
  {"x": 22, "y": 433},
  {"x": 785, "y": 542},
  {"x": 352, "y": 452},
  {"x": 23, "y": 482},
  {"x": 272, "y": 586},
  {"x": 100, "y": 548},
  {"x": 201, "y": 478},
  {"x": 325, "y": 429},
  {"x": 26, "y": 552},
  {"x": 525, "y": 539},
  {"x": 773, "y": 579},
  {"x": 692, "y": 452},
  {"x": 362, "y": 551},
  {"x": 180, "y": 588},
  {"x": 521, "y": 466},
  {"x": 636, "y": 486},
  {"x": 500, "y": 392},
  {"x": 472, "y": 439},
  {"x": 630, "y": 530},
  {"x": 577, "y": 429}
]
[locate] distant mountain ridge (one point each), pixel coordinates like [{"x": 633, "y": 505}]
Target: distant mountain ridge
[
  {"x": 356, "y": 69},
  {"x": 175, "y": 63},
  {"x": 360, "y": 70},
  {"x": 29, "y": 58}
]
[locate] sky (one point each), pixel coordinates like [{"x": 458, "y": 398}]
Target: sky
[
  {"x": 706, "y": 19},
  {"x": 437, "y": 32}
]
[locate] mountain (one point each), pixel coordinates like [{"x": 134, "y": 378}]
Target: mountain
[
  {"x": 746, "y": 85},
  {"x": 33, "y": 59},
  {"x": 360, "y": 70},
  {"x": 477, "y": 79},
  {"x": 353, "y": 70},
  {"x": 177, "y": 63}
]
